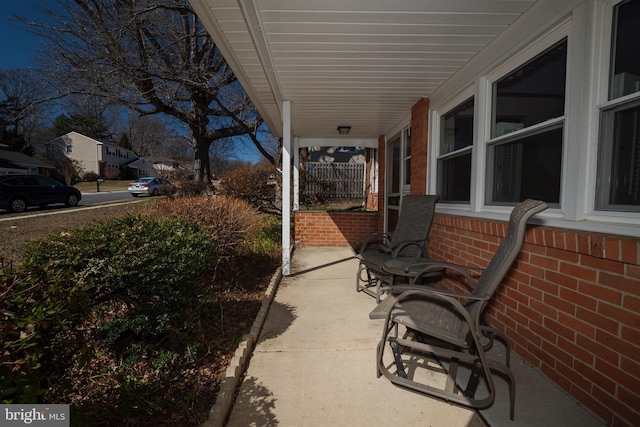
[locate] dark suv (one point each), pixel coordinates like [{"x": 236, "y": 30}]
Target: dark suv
[{"x": 18, "y": 192}]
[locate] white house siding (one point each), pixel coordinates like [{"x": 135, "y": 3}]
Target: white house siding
[{"x": 90, "y": 153}]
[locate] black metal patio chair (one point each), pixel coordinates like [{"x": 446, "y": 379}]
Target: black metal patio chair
[
  {"x": 409, "y": 239},
  {"x": 430, "y": 323}
]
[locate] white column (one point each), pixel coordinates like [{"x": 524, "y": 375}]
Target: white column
[{"x": 286, "y": 187}]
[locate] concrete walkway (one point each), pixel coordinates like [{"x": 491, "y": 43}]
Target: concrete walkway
[{"x": 314, "y": 364}]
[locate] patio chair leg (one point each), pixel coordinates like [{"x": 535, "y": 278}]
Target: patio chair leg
[
  {"x": 474, "y": 380},
  {"x": 395, "y": 348}
]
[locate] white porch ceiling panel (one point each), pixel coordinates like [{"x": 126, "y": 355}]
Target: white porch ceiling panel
[{"x": 361, "y": 63}]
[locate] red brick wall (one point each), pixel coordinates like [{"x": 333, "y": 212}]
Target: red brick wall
[
  {"x": 419, "y": 142},
  {"x": 326, "y": 228},
  {"x": 570, "y": 305}
]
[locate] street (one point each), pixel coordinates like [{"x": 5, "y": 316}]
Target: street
[
  {"x": 104, "y": 197},
  {"x": 89, "y": 201}
]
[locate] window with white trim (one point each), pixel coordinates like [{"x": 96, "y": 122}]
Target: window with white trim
[
  {"x": 524, "y": 154},
  {"x": 618, "y": 179},
  {"x": 454, "y": 160},
  {"x": 406, "y": 156}
]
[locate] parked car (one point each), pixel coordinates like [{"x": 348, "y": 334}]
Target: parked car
[
  {"x": 18, "y": 192},
  {"x": 151, "y": 186}
]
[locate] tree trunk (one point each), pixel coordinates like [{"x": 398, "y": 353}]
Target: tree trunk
[{"x": 201, "y": 166}]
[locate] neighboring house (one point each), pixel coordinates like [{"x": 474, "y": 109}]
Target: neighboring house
[
  {"x": 142, "y": 167},
  {"x": 484, "y": 103},
  {"x": 336, "y": 172},
  {"x": 166, "y": 167},
  {"x": 102, "y": 158},
  {"x": 16, "y": 162}
]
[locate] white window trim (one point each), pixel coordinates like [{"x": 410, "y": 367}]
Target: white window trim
[
  {"x": 405, "y": 139},
  {"x": 398, "y": 132},
  {"x": 434, "y": 148},
  {"x": 544, "y": 42},
  {"x": 604, "y": 27},
  {"x": 588, "y": 32}
]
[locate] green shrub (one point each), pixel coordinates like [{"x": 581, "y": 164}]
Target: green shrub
[
  {"x": 145, "y": 269},
  {"x": 123, "y": 320},
  {"x": 268, "y": 238},
  {"x": 127, "y": 280},
  {"x": 32, "y": 312}
]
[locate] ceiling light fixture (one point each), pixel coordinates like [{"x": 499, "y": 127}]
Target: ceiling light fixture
[{"x": 344, "y": 130}]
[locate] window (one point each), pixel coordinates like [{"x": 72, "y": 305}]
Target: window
[
  {"x": 394, "y": 155},
  {"x": 524, "y": 156},
  {"x": 618, "y": 186},
  {"x": 454, "y": 162},
  {"x": 68, "y": 148},
  {"x": 398, "y": 175},
  {"x": 406, "y": 158}
]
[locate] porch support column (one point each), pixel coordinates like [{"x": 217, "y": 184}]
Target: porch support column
[{"x": 286, "y": 187}]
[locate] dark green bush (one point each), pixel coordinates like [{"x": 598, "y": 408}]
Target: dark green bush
[
  {"x": 32, "y": 311},
  {"x": 142, "y": 267},
  {"x": 130, "y": 279}
]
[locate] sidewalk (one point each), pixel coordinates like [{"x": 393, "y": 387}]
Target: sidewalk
[{"x": 314, "y": 364}]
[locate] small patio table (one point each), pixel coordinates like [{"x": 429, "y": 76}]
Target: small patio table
[{"x": 410, "y": 268}]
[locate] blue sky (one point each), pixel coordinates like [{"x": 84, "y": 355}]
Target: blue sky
[{"x": 17, "y": 47}]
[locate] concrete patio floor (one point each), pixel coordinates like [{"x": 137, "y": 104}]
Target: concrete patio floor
[{"x": 314, "y": 365}]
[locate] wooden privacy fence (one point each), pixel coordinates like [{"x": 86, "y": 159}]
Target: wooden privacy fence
[{"x": 334, "y": 180}]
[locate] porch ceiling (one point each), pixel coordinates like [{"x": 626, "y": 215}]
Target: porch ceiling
[{"x": 361, "y": 63}]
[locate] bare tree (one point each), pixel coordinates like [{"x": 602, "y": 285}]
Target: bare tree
[
  {"x": 153, "y": 56},
  {"x": 177, "y": 147},
  {"x": 146, "y": 135},
  {"x": 68, "y": 168},
  {"x": 20, "y": 93}
]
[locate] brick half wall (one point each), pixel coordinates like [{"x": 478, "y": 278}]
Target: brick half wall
[
  {"x": 329, "y": 228},
  {"x": 570, "y": 305}
]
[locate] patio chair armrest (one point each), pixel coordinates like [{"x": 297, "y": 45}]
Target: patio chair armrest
[
  {"x": 402, "y": 246},
  {"x": 387, "y": 305},
  {"x": 371, "y": 238},
  {"x": 435, "y": 292}
]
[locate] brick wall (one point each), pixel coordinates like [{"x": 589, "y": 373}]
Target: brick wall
[
  {"x": 419, "y": 142},
  {"x": 570, "y": 305},
  {"x": 326, "y": 228}
]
